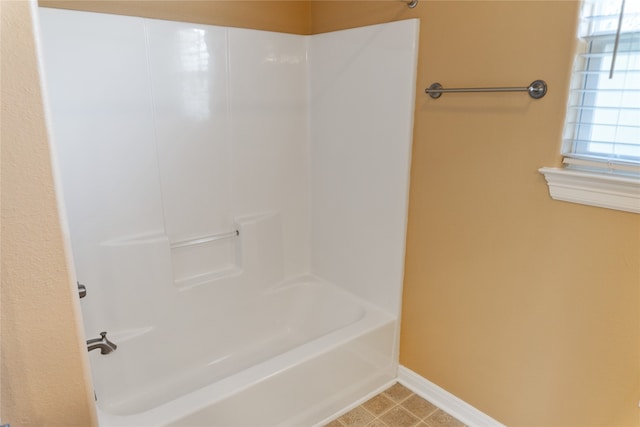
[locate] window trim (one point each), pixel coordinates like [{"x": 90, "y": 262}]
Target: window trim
[{"x": 603, "y": 190}]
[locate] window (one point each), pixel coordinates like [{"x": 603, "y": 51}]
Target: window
[{"x": 601, "y": 144}]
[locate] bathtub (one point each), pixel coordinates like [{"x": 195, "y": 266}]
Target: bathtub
[
  {"x": 239, "y": 229},
  {"x": 300, "y": 352}
]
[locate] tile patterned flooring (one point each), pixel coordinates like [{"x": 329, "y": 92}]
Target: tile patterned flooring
[{"x": 397, "y": 406}]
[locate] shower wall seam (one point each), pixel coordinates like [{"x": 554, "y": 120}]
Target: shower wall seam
[{"x": 154, "y": 119}]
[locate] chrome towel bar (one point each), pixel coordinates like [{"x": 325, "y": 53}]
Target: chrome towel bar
[
  {"x": 205, "y": 239},
  {"x": 537, "y": 89}
]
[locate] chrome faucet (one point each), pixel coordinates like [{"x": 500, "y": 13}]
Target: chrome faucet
[{"x": 102, "y": 343}]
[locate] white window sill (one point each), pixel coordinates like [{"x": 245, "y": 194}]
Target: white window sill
[{"x": 595, "y": 189}]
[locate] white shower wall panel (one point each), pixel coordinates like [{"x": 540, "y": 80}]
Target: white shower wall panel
[
  {"x": 188, "y": 72},
  {"x": 106, "y": 155},
  {"x": 362, "y": 95},
  {"x": 189, "y": 79},
  {"x": 229, "y": 141},
  {"x": 115, "y": 138},
  {"x": 197, "y": 126},
  {"x": 269, "y": 130}
]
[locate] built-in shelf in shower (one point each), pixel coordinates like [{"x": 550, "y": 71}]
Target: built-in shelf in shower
[
  {"x": 205, "y": 239},
  {"x": 198, "y": 260}
]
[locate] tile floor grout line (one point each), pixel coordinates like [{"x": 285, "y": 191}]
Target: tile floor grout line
[
  {"x": 421, "y": 419},
  {"x": 383, "y": 412},
  {"x": 418, "y": 416}
]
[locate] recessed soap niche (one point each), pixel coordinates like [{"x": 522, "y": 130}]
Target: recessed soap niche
[{"x": 205, "y": 258}]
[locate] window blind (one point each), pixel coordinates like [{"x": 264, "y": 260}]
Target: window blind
[{"x": 602, "y": 129}]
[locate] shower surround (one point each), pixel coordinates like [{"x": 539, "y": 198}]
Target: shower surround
[{"x": 236, "y": 203}]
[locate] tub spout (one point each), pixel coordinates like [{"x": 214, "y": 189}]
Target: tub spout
[{"x": 102, "y": 343}]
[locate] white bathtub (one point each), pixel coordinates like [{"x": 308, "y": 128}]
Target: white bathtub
[{"x": 294, "y": 356}]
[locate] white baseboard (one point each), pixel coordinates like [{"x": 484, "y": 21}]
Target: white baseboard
[{"x": 445, "y": 400}]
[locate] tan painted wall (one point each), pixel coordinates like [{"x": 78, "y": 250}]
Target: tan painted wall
[
  {"x": 281, "y": 16},
  {"x": 44, "y": 370},
  {"x": 525, "y": 307}
]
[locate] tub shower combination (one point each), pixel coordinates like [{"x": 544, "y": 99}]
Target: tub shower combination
[{"x": 236, "y": 202}]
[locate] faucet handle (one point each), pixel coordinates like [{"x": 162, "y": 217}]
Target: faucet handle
[{"x": 82, "y": 290}]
